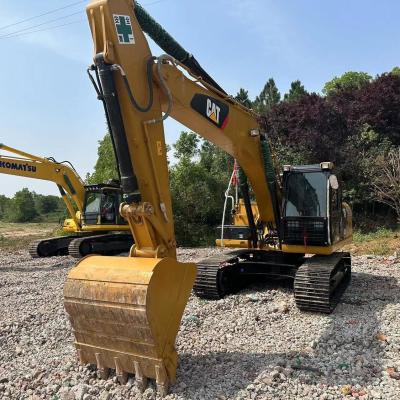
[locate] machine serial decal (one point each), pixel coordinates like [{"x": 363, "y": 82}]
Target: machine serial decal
[
  {"x": 17, "y": 166},
  {"x": 214, "y": 110},
  {"x": 123, "y": 27}
]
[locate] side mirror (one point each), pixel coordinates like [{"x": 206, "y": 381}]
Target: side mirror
[{"x": 334, "y": 182}]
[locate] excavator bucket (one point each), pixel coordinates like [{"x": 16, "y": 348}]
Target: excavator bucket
[{"x": 125, "y": 313}]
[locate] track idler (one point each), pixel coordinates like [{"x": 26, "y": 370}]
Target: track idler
[{"x": 125, "y": 314}]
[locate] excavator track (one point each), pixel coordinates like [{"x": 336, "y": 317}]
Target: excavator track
[
  {"x": 321, "y": 281},
  {"x": 206, "y": 283},
  {"x": 49, "y": 247},
  {"x": 107, "y": 244},
  {"x": 215, "y": 276}
]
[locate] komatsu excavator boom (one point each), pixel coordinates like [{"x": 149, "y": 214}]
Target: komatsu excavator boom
[
  {"x": 93, "y": 209},
  {"x": 125, "y": 311},
  {"x": 67, "y": 180}
]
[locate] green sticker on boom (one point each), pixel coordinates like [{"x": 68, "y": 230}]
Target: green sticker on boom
[{"x": 123, "y": 27}]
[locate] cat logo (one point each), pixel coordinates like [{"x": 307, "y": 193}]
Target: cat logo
[{"x": 214, "y": 110}]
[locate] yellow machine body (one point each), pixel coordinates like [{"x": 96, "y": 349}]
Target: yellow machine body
[
  {"x": 239, "y": 218},
  {"x": 125, "y": 312},
  {"x": 69, "y": 226}
]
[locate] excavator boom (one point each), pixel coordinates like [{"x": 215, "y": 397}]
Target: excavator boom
[{"x": 27, "y": 165}]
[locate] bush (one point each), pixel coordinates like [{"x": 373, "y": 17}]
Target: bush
[{"x": 22, "y": 207}]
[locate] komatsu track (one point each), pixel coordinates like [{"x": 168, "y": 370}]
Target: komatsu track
[
  {"x": 50, "y": 247},
  {"x": 319, "y": 281},
  {"x": 107, "y": 244},
  {"x": 79, "y": 246}
]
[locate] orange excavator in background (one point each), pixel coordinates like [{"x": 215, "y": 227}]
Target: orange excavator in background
[
  {"x": 125, "y": 312},
  {"x": 94, "y": 224}
]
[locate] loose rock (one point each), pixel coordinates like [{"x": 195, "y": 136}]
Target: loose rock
[{"x": 253, "y": 344}]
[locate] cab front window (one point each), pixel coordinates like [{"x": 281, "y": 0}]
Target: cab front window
[{"x": 306, "y": 194}]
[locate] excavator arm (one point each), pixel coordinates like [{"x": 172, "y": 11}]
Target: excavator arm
[
  {"x": 66, "y": 178},
  {"x": 136, "y": 90}
]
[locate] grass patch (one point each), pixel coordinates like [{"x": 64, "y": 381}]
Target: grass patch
[
  {"x": 381, "y": 242},
  {"x": 18, "y": 236},
  {"x": 381, "y": 233}
]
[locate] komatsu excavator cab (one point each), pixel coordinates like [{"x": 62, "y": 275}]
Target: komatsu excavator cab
[
  {"x": 102, "y": 205},
  {"x": 312, "y": 212}
]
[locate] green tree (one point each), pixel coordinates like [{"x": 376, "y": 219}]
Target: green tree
[
  {"x": 198, "y": 182},
  {"x": 296, "y": 91},
  {"x": 4, "y": 206},
  {"x": 243, "y": 98},
  {"x": 349, "y": 80},
  {"x": 268, "y": 98},
  {"x": 46, "y": 204},
  {"x": 186, "y": 145},
  {"x": 23, "y": 207},
  {"x": 106, "y": 165},
  {"x": 395, "y": 71}
]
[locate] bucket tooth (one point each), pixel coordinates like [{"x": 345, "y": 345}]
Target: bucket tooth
[
  {"x": 161, "y": 380},
  {"x": 141, "y": 380},
  {"x": 81, "y": 360},
  {"x": 122, "y": 376},
  {"x": 102, "y": 370},
  {"x": 125, "y": 314}
]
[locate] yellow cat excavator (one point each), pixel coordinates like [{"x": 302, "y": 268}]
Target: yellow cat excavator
[
  {"x": 125, "y": 312},
  {"x": 93, "y": 209}
]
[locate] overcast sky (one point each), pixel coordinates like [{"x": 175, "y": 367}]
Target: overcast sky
[{"x": 48, "y": 106}]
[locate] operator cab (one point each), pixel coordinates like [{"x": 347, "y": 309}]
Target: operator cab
[
  {"x": 312, "y": 210},
  {"x": 102, "y": 205}
]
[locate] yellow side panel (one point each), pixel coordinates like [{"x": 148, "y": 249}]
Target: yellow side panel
[
  {"x": 104, "y": 228},
  {"x": 323, "y": 250},
  {"x": 69, "y": 226},
  {"x": 234, "y": 243}
]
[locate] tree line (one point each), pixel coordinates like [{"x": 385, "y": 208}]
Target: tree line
[
  {"x": 28, "y": 206},
  {"x": 354, "y": 122}
]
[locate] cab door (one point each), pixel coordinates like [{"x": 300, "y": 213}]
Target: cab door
[{"x": 335, "y": 209}]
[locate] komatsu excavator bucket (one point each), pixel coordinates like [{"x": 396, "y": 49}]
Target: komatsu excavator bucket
[{"x": 125, "y": 313}]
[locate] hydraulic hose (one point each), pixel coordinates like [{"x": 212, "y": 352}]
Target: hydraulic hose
[
  {"x": 149, "y": 74},
  {"x": 164, "y": 87},
  {"x": 171, "y": 46},
  {"x": 227, "y": 196},
  {"x": 244, "y": 188}
]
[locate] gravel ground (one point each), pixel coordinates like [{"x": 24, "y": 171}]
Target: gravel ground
[{"x": 253, "y": 345}]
